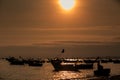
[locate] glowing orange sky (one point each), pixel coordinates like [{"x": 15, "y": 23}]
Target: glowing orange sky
[
  {"x": 67, "y": 6},
  {"x": 26, "y": 21}
]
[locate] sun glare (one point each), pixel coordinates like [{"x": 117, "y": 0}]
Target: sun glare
[{"x": 67, "y": 4}]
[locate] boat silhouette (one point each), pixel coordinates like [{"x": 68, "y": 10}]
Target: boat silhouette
[
  {"x": 60, "y": 65},
  {"x": 15, "y": 61},
  {"x": 101, "y": 71}
]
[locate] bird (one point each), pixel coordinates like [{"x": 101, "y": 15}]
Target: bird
[{"x": 62, "y": 51}]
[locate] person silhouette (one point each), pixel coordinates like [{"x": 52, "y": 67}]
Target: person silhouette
[{"x": 100, "y": 67}]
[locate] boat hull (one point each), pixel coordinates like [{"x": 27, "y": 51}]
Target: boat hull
[
  {"x": 84, "y": 66},
  {"x": 58, "y": 66},
  {"x": 103, "y": 72}
]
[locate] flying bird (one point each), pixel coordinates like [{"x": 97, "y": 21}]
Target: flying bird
[{"x": 62, "y": 51}]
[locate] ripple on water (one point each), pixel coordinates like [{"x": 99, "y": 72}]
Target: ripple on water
[{"x": 70, "y": 75}]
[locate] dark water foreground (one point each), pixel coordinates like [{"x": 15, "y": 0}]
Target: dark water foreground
[{"x": 46, "y": 72}]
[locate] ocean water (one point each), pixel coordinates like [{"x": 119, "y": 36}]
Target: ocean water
[{"x": 46, "y": 72}]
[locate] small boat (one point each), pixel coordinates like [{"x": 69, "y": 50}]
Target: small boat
[
  {"x": 35, "y": 63},
  {"x": 84, "y": 65},
  {"x": 61, "y": 66},
  {"x": 15, "y": 61},
  {"x": 117, "y": 61},
  {"x": 79, "y": 63},
  {"x": 103, "y": 72},
  {"x": 89, "y": 60}
]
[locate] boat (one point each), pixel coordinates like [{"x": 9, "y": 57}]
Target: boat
[
  {"x": 69, "y": 64},
  {"x": 15, "y": 61},
  {"x": 21, "y": 61},
  {"x": 61, "y": 66},
  {"x": 80, "y": 64},
  {"x": 89, "y": 60},
  {"x": 117, "y": 61},
  {"x": 36, "y": 63},
  {"x": 103, "y": 72},
  {"x": 84, "y": 65}
]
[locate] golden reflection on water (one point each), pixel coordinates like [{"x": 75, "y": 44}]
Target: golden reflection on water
[{"x": 63, "y": 75}]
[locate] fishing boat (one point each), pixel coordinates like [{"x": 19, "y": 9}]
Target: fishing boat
[
  {"x": 69, "y": 64},
  {"x": 101, "y": 71},
  {"x": 116, "y": 61},
  {"x": 79, "y": 63},
  {"x": 15, "y": 61},
  {"x": 61, "y": 66},
  {"x": 84, "y": 65},
  {"x": 36, "y": 63}
]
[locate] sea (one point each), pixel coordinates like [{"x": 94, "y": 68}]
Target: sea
[{"x": 46, "y": 72}]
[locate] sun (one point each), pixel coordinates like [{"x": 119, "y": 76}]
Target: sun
[{"x": 67, "y": 4}]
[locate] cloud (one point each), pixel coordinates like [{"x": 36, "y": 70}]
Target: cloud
[
  {"x": 116, "y": 38},
  {"x": 74, "y": 43}
]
